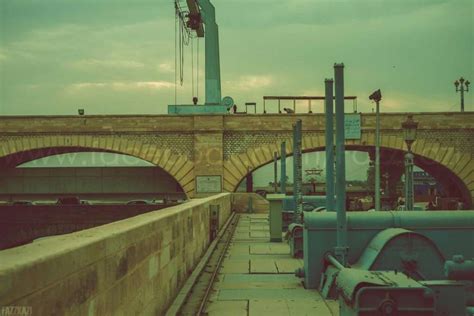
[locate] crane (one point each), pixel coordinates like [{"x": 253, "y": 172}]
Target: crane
[{"x": 201, "y": 19}]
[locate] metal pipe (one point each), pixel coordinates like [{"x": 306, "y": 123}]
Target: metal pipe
[
  {"x": 275, "y": 171},
  {"x": 283, "y": 168},
  {"x": 409, "y": 194},
  {"x": 329, "y": 111},
  {"x": 341, "y": 248},
  {"x": 377, "y": 156},
  {"x": 334, "y": 262},
  {"x": 297, "y": 171}
]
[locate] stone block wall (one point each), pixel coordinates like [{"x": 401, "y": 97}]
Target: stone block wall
[
  {"x": 21, "y": 224},
  {"x": 240, "y": 203},
  {"x": 130, "y": 267}
]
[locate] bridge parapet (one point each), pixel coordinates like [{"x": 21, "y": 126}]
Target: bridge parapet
[
  {"x": 229, "y": 146},
  {"x": 130, "y": 267}
]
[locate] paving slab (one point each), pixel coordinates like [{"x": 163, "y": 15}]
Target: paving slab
[
  {"x": 257, "y": 281},
  {"x": 257, "y": 277},
  {"x": 262, "y": 266},
  {"x": 239, "y": 249},
  {"x": 270, "y": 248},
  {"x": 235, "y": 266},
  {"x": 266, "y": 294},
  {"x": 299, "y": 307},
  {"x": 259, "y": 234},
  {"x": 287, "y": 265},
  {"x": 231, "y": 308}
]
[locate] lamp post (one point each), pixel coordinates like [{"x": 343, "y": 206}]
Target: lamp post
[
  {"x": 461, "y": 86},
  {"x": 409, "y": 129},
  {"x": 377, "y": 96}
]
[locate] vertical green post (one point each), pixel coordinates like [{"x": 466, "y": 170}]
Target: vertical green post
[
  {"x": 297, "y": 171},
  {"x": 329, "y": 115},
  {"x": 341, "y": 248},
  {"x": 283, "y": 168}
]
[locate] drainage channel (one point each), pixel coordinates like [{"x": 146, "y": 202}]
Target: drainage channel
[{"x": 194, "y": 296}]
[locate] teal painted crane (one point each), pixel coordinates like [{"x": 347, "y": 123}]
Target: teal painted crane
[{"x": 200, "y": 19}]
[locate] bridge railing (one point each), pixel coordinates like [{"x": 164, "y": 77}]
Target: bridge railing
[{"x": 298, "y": 104}]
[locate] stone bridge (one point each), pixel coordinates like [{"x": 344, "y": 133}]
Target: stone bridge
[{"x": 212, "y": 153}]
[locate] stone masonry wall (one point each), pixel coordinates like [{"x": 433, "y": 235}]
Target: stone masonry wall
[{"x": 130, "y": 267}]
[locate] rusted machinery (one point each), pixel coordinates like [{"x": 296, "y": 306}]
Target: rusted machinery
[{"x": 398, "y": 263}]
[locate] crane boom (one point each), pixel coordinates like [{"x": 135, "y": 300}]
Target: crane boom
[
  {"x": 201, "y": 18},
  {"x": 202, "y": 12},
  {"x": 195, "y": 20}
]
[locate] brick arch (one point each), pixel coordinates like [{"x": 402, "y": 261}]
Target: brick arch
[
  {"x": 461, "y": 165},
  {"x": 178, "y": 166}
]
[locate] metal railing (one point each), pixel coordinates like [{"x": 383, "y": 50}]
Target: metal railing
[{"x": 301, "y": 98}]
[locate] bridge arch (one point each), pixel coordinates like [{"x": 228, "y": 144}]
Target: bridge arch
[
  {"x": 440, "y": 161},
  {"x": 16, "y": 152}
]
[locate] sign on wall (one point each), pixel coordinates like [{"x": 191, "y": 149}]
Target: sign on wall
[
  {"x": 352, "y": 126},
  {"x": 208, "y": 184}
]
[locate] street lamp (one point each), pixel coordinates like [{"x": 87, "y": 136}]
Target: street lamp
[
  {"x": 377, "y": 96},
  {"x": 409, "y": 129},
  {"x": 461, "y": 86}
]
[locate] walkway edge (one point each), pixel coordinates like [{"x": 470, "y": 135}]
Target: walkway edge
[{"x": 188, "y": 286}]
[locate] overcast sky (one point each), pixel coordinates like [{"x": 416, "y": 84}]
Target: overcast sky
[{"x": 117, "y": 56}]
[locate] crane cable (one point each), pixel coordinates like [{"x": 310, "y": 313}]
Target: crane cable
[
  {"x": 175, "y": 54},
  {"x": 192, "y": 67},
  {"x": 197, "y": 74}
]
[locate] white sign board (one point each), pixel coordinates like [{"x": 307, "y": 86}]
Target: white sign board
[
  {"x": 208, "y": 184},
  {"x": 352, "y": 128}
]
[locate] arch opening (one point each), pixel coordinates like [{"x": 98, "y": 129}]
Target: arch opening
[
  {"x": 91, "y": 174},
  {"x": 431, "y": 177}
]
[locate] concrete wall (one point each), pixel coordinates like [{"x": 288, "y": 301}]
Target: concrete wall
[
  {"x": 129, "y": 267},
  {"x": 21, "y": 224}
]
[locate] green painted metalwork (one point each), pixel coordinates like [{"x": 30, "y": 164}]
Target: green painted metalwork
[
  {"x": 329, "y": 118},
  {"x": 403, "y": 250},
  {"x": 341, "y": 246},
  {"x": 297, "y": 171},
  {"x": 187, "y": 109},
  {"x": 283, "y": 169},
  {"x": 448, "y": 230}
]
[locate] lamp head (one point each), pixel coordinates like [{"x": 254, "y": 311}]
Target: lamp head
[
  {"x": 409, "y": 129},
  {"x": 376, "y": 96},
  {"x": 456, "y": 84}
]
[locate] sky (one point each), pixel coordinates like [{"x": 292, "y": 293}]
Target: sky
[{"x": 118, "y": 57}]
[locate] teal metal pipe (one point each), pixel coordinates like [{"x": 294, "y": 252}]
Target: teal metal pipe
[
  {"x": 294, "y": 170},
  {"x": 409, "y": 186},
  {"x": 341, "y": 248},
  {"x": 283, "y": 168},
  {"x": 329, "y": 111},
  {"x": 297, "y": 171},
  {"x": 275, "y": 171}
]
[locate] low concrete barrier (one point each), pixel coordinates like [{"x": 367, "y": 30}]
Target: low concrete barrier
[
  {"x": 240, "y": 203},
  {"x": 133, "y": 266},
  {"x": 21, "y": 224}
]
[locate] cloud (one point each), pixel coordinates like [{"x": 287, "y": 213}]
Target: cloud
[
  {"x": 94, "y": 64},
  {"x": 166, "y": 68},
  {"x": 249, "y": 82},
  {"x": 120, "y": 86}
]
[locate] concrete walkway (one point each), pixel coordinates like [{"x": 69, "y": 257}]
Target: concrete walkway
[{"x": 257, "y": 277}]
